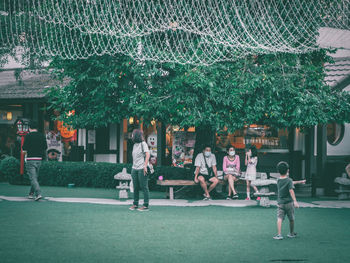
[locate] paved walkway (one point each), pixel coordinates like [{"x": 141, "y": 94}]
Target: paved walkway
[{"x": 178, "y": 202}]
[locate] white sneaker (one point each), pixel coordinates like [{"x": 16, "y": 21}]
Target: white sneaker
[
  {"x": 30, "y": 196},
  {"x": 38, "y": 198},
  {"x": 292, "y": 235},
  {"x": 278, "y": 237}
]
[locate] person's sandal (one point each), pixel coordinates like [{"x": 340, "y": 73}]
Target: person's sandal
[
  {"x": 133, "y": 207},
  {"x": 144, "y": 208},
  {"x": 228, "y": 197},
  {"x": 235, "y": 196}
]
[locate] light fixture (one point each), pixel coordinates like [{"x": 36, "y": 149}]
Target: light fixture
[
  {"x": 131, "y": 120},
  {"x": 9, "y": 116},
  {"x": 22, "y": 126},
  {"x": 19, "y": 126}
]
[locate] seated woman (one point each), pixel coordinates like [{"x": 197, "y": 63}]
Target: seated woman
[{"x": 231, "y": 168}]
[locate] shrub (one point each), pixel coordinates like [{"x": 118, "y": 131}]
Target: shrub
[
  {"x": 87, "y": 174},
  {"x": 9, "y": 168}
]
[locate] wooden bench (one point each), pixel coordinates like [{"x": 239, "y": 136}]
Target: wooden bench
[
  {"x": 172, "y": 183},
  {"x": 185, "y": 183}
]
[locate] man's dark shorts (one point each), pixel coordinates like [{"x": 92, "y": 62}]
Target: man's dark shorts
[
  {"x": 206, "y": 177},
  {"x": 286, "y": 209}
]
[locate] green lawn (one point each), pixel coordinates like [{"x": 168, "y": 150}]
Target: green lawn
[
  {"x": 66, "y": 232},
  {"x": 56, "y": 191}
]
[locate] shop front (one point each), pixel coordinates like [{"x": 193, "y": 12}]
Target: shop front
[
  {"x": 171, "y": 145},
  {"x": 25, "y": 98}
]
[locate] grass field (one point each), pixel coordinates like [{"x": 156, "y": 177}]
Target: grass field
[{"x": 65, "y": 232}]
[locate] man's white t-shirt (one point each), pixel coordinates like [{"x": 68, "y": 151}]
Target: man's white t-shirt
[{"x": 199, "y": 162}]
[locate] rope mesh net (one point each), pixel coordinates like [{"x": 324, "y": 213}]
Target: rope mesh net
[{"x": 182, "y": 31}]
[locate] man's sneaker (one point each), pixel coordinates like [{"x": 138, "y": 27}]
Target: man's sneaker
[
  {"x": 38, "y": 197},
  {"x": 133, "y": 207},
  {"x": 248, "y": 199},
  {"x": 235, "y": 196},
  {"x": 292, "y": 235},
  {"x": 144, "y": 208},
  {"x": 31, "y": 196},
  {"x": 258, "y": 199},
  {"x": 278, "y": 237}
]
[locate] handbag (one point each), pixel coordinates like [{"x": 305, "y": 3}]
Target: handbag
[
  {"x": 210, "y": 169},
  {"x": 150, "y": 169}
]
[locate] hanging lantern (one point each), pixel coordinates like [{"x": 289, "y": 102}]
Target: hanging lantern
[
  {"x": 19, "y": 126},
  {"x": 9, "y": 116},
  {"x": 25, "y": 126},
  {"x": 22, "y": 126}
]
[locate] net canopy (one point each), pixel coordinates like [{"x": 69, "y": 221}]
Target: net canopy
[{"x": 182, "y": 31}]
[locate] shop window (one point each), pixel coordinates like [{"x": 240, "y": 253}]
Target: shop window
[
  {"x": 180, "y": 145},
  {"x": 102, "y": 140},
  {"x": 9, "y": 141},
  {"x": 263, "y": 137},
  {"x": 335, "y": 133}
]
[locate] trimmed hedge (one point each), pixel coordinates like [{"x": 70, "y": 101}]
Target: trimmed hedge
[
  {"x": 9, "y": 168},
  {"x": 86, "y": 174}
]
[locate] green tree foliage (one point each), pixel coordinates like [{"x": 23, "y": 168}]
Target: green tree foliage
[{"x": 279, "y": 90}]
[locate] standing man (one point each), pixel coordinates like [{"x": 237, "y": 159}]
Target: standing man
[
  {"x": 35, "y": 145},
  {"x": 206, "y": 171}
]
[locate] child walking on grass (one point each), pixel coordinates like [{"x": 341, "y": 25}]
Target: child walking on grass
[{"x": 286, "y": 200}]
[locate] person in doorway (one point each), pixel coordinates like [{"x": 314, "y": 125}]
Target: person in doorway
[
  {"x": 140, "y": 159},
  {"x": 206, "y": 171},
  {"x": 286, "y": 200},
  {"x": 231, "y": 169},
  {"x": 251, "y": 160},
  {"x": 35, "y": 145}
]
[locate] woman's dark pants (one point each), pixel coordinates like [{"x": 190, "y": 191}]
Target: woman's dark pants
[{"x": 140, "y": 182}]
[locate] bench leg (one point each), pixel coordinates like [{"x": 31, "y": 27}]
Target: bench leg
[
  {"x": 342, "y": 196},
  {"x": 171, "y": 193},
  {"x": 264, "y": 201},
  {"x": 123, "y": 194}
]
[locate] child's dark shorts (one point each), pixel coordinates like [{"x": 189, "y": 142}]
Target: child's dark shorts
[{"x": 286, "y": 209}]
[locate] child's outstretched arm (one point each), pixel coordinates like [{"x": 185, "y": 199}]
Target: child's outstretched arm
[{"x": 299, "y": 182}]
